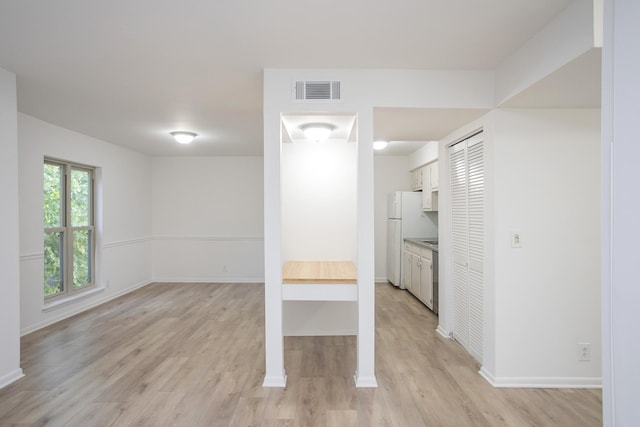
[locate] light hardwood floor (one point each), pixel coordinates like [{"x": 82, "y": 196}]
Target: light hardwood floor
[{"x": 193, "y": 355}]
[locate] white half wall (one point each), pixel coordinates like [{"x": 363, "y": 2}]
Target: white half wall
[
  {"x": 546, "y": 169},
  {"x": 207, "y": 219},
  {"x": 318, "y": 318},
  {"x": 9, "y": 244},
  {"x": 124, "y": 238},
  {"x": 391, "y": 173}
]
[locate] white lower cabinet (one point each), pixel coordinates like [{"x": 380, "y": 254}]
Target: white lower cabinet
[
  {"x": 406, "y": 270},
  {"x": 426, "y": 282},
  {"x": 418, "y": 272}
]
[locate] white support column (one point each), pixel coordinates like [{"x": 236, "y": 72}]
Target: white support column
[
  {"x": 10, "y": 369},
  {"x": 365, "y": 374},
  {"x": 620, "y": 205},
  {"x": 274, "y": 341}
]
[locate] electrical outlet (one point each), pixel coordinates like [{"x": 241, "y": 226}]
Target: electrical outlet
[{"x": 584, "y": 351}]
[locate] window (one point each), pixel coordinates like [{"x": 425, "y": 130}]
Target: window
[{"x": 69, "y": 233}]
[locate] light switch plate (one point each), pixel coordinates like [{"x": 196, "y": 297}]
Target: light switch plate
[{"x": 516, "y": 239}]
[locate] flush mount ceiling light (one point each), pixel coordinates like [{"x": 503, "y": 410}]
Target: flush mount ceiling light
[
  {"x": 183, "y": 137},
  {"x": 317, "y": 132},
  {"x": 380, "y": 145}
]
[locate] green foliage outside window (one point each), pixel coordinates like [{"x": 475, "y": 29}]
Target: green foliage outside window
[
  {"x": 53, "y": 195},
  {"x": 80, "y": 197},
  {"x": 52, "y": 263},
  {"x": 59, "y": 228},
  {"x": 81, "y": 258},
  {"x": 53, "y": 240}
]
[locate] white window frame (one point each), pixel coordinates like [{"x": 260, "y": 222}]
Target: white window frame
[{"x": 67, "y": 231}]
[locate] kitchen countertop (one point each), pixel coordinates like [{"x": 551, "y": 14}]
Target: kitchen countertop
[
  {"x": 319, "y": 272},
  {"x": 421, "y": 242}
]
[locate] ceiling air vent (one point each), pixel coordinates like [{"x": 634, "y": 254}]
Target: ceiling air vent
[{"x": 315, "y": 91}]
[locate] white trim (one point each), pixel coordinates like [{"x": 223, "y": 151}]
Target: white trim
[
  {"x": 381, "y": 280},
  {"x": 319, "y": 292},
  {"x": 362, "y": 381},
  {"x": 71, "y": 313},
  {"x": 61, "y": 302},
  {"x": 32, "y": 257},
  {"x": 258, "y": 280},
  {"x": 323, "y": 333},
  {"x": 126, "y": 242},
  {"x": 40, "y": 255},
  {"x": 275, "y": 381},
  {"x": 11, "y": 377},
  {"x": 443, "y": 333},
  {"x": 540, "y": 382},
  {"x": 211, "y": 238}
]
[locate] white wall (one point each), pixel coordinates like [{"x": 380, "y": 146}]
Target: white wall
[
  {"x": 542, "y": 179},
  {"x": 207, "y": 219},
  {"x": 9, "y": 244},
  {"x": 319, "y": 201},
  {"x": 621, "y": 229},
  {"x": 393, "y": 88},
  {"x": 426, "y": 154},
  {"x": 124, "y": 248},
  {"x": 391, "y": 173},
  {"x": 567, "y": 36}
]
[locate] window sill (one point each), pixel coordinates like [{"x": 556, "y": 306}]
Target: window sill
[{"x": 61, "y": 302}]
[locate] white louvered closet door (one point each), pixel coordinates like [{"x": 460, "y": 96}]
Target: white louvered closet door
[
  {"x": 460, "y": 246},
  {"x": 467, "y": 230}
]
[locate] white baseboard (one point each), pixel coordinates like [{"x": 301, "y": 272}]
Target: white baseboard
[
  {"x": 541, "y": 382},
  {"x": 77, "y": 310},
  {"x": 321, "y": 333},
  {"x": 275, "y": 381},
  {"x": 11, "y": 377},
  {"x": 259, "y": 280},
  {"x": 443, "y": 333},
  {"x": 365, "y": 381}
]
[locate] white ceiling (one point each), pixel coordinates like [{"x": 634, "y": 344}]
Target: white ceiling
[
  {"x": 129, "y": 72},
  {"x": 407, "y": 129}
]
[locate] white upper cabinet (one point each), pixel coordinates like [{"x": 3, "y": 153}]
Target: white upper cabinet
[
  {"x": 430, "y": 187},
  {"x": 434, "y": 176},
  {"x": 416, "y": 179}
]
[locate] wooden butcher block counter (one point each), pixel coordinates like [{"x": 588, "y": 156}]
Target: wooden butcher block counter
[
  {"x": 319, "y": 281},
  {"x": 323, "y": 272}
]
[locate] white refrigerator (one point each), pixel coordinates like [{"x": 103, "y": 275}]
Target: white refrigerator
[{"x": 405, "y": 218}]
